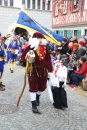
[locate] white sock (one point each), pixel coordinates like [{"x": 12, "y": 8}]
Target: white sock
[
  {"x": 39, "y": 93},
  {"x": 33, "y": 96}
]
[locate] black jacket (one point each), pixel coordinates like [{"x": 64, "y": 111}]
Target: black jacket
[{"x": 80, "y": 52}]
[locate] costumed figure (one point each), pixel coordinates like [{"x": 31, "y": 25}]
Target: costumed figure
[
  {"x": 56, "y": 85},
  {"x": 37, "y": 67},
  {"x": 2, "y": 62},
  {"x": 12, "y": 51}
]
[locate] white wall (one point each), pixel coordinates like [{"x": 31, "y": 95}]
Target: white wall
[
  {"x": 9, "y": 15},
  {"x": 17, "y": 3},
  {"x": 85, "y": 4}
]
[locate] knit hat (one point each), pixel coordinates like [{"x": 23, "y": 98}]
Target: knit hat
[{"x": 82, "y": 43}]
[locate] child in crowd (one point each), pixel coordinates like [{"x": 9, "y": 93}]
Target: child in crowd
[{"x": 53, "y": 56}]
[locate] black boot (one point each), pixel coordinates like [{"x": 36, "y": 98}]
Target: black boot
[
  {"x": 11, "y": 71},
  {"x": 37, "y": 100},
  {"x": 34, "y": 107}
]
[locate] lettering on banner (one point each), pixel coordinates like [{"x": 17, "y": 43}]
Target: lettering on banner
[{"x": 73, "y": 18}]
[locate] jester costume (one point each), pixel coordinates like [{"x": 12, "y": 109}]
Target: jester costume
[
  {"x": 2, "y": 62},
  {"x": 37, "y": 71},
  {"x": 12, "y": 51}
]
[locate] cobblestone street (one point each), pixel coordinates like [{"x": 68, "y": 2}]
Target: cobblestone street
[{"x": 74, "y": 118}]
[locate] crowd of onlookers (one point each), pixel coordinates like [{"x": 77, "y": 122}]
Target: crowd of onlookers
[{"x": 72, "y": 53}]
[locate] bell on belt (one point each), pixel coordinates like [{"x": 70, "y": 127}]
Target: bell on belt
[{"x": 30, "y": 56}]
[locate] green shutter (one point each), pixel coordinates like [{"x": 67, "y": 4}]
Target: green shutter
[
  {"x": 60, "y": 33},
  {"x": 78, "y": 34},
  {"x": 69, "y": 33}
]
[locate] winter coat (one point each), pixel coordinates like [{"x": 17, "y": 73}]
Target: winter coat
[
  {"x": 64, "y": 49},
  {"x": 80, "y": 52},
  {"x": 82, "y": 70}
]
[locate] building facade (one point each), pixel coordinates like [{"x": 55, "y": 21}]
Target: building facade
[
  {"x": 40, "y": 10},
  {"x": 69, "y": 17},
  {"x": 29, "y": 4}
]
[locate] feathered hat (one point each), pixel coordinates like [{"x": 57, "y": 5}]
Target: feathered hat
[{"x": 38, "y": 35}]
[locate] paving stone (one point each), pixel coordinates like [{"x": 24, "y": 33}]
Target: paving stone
[{"x": 73, "y": 118}]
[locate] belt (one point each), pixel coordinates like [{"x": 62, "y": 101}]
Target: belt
[
  {"x": 10, "y": 49},
  {"x": 1, "y": 58},
  {"x": 39, "y": 66}
]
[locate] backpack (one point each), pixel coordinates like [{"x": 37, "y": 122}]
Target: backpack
[{"x": 84, "y": 82}]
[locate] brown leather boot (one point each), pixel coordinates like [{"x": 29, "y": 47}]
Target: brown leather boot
[{"x": 2, "y": 89}]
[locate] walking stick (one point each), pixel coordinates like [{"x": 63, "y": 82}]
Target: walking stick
[{"x": 22, "y": 90}]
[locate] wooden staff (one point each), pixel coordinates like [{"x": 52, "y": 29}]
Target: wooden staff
[{"x": 22, "y": 90}]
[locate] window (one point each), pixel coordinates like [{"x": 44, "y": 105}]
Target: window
[
  {"x": 11, "y": 2},
  {"x": 65, "y": 33},
  {"x": 23, "y": 1},
  {"x": 76, "y": 5},
  {"x": 33, "y": 4},
  {"x": 75, "y": 2},
  {"x": 75, "y": 32},
  {"x": 38, "y": 5},
  {"x": 85, "y": 32},
  {"x": 43, "y": 5},
  {"x": 0, "y": 2},
  {"x": 5, "y": 2},
  {"x": 56, "y": 9},
  {"x": 65, "y": 6},
  {"x": 48, "y": 6},
  {"x": 28, "y": 3},
  {"x": 56, "y": 32}
]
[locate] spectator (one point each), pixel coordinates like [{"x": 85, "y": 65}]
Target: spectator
[
  {"x": 50, "y": 46},
  {"x": 79, "y": 74},
  {"x": 81, "y": 50},
  {"x": 53, "y": 57},
  {"x": 75, "y": 47},
  {"x": 64, "y": 47}
]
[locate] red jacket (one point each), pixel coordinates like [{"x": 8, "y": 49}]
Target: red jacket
[{"x": 82, "y": 70}]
